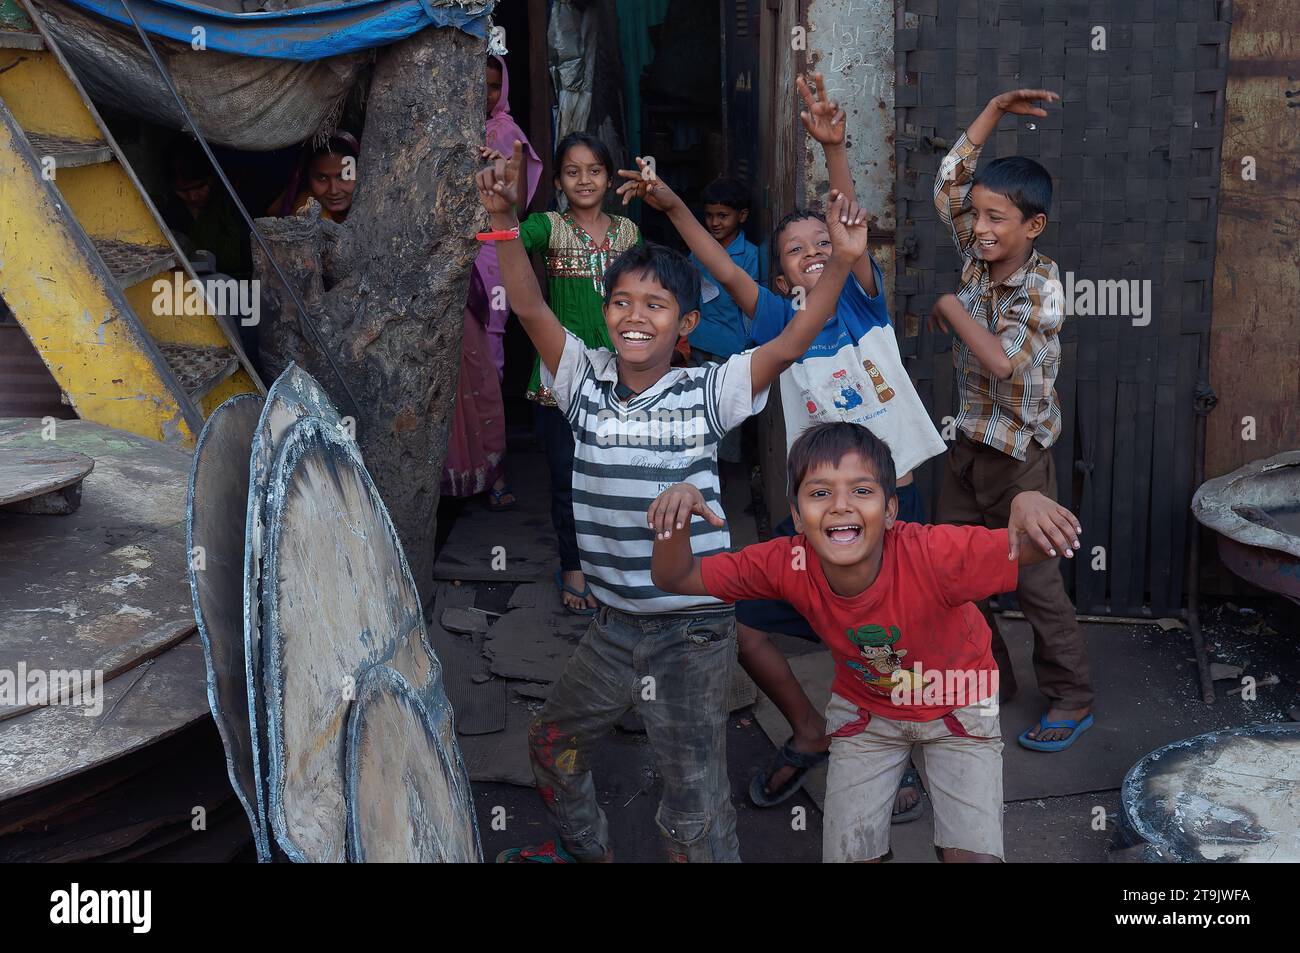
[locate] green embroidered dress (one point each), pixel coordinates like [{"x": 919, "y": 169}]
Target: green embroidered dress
[{"x": 575, "y": 265}]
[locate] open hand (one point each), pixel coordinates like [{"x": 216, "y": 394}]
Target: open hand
[
  {"x": 823, "y": 117},
  {"x": 1022, "y": 101},
  {"x": 847, "y": 223},
  {"x": 674, "y": 507},
  {"x": 642, "y": 183},
  {"x": 498, "y": 184},
  {"x": 488, "y": 154},
  {"x": 1043, "y": 522}
]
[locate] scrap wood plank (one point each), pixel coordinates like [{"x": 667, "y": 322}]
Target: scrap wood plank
[
  {"x": 533, "y": 644},
  {"x": 157, "y": 700},
  {"x": 26, "y": 475},
  {"x": 73, "y": 624}
]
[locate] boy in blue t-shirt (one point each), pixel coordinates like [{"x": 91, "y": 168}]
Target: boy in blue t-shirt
[
  {"x": 853, "y": 372},
  {"x": 724, "y": 329}
]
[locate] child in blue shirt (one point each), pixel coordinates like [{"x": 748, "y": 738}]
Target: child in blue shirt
[
  {"x": 724, "y": 329},
  {"x": 853, "y": 372}
]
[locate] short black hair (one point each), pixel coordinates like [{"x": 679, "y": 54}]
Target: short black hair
[
  {"x": 798, "y": 215},
  {"x": 827, "y": 444},
  {"x": 1022, "y": 180},
  {"x": 598, "y": 148},
  {"x": 729, "y": 192},
  {"x": 670, "y": 268}
]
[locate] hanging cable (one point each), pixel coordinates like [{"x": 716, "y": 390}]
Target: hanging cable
[{"x": 304, "y": 319}]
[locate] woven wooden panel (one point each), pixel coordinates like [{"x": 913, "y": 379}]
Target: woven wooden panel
[{"x": 1133, "y": 149}]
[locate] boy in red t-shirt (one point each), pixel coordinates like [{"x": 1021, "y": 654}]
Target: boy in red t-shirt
[{"x": 895, "y": 604}]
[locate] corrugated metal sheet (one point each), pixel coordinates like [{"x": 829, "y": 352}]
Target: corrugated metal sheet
[{"x": 26, "y": 387}]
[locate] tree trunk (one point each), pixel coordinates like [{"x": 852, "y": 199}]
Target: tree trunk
[{"x": 386, "y": 289}]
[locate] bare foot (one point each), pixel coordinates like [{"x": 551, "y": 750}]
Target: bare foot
[
  {"x": 1038, "y": 733},
  {"x": 576, "y": 581},
  {"x": 907, "y": 797}
]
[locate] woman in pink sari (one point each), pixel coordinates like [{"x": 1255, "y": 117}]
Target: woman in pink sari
[{"x": 477, "y": 443}]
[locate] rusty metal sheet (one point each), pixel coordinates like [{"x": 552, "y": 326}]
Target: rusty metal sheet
[
  {"x": 294, "y": 396},
  {"x": 408, "y": 794},
  {"x": 215, "y": 505},
  {"x": 1225, "y": 796},
  {"x": 338, "y": 599}
]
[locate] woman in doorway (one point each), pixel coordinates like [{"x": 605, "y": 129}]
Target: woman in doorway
[
  {"x": 326, "y": 173},
  {"x": 477, "y": 444}
]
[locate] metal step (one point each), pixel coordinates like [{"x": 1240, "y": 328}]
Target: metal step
[
  {"x": 69, "y": 153},
  {"x": 131, "y": 263},
  {"x": 199, "y": 368},
  {"x": 19, "y": 40}
]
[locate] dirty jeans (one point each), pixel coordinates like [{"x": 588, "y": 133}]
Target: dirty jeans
[{"x": 674, "y": 669}]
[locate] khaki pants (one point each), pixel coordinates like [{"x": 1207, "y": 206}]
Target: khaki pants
[
  {"x": 978, "y": 486},
  {"x": 963, "y": 765}
]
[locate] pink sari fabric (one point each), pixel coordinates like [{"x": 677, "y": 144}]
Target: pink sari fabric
[
  {"x": 502, "y": 131},
  {"x": 476, "y": 445}
]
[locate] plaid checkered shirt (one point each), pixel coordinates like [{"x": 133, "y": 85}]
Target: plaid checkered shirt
[{"x": 1024, "y": 311}]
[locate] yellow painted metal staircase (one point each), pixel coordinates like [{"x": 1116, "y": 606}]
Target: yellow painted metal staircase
[{"x": 81, "y": 248}]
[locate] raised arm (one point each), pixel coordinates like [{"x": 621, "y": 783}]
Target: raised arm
[
  {"x": 824, "y": 121},
  {"x": 673, "y": 567},
  {"x": 847, "y": 224},
  {"x": 499, "y": 187},
  {"x": 956, "y": 172},
  {"x": 654, "y": 191}
]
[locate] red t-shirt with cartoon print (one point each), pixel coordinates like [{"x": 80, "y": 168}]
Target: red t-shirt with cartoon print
[{"x": 912, "y": 646}]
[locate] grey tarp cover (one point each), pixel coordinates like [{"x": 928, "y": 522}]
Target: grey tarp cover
[{"x": 240, "y": 102}]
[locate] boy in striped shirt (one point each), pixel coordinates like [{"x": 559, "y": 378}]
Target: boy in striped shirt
[{"x": 640, "y": 426}]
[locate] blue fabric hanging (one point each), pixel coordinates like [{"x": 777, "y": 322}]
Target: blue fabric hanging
[{"x": 303, "y": 33}]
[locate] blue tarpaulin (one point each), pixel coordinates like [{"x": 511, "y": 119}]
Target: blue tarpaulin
[{"x": 303, "y": 33}]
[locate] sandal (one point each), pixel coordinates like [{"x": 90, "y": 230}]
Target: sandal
[
  {"x": 911, "y": 779},
  {"x": 547, "y": 853},
  {"x": 786, "y": 757},
  {"x": 1076, "y": 728},
  {"x": 494, "y": 500},
  {"x": 586, "y": 591}
]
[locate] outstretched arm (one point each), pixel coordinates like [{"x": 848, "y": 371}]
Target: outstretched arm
[
  {"x": 673, "y": 567},
  {"x": 1050, "y": 527},
  {"x": 654, "y": 191},
  {"x": 499, "y": 187},
  {"x": 847, "y": 224},
  {"x": 824, "y": 121}
]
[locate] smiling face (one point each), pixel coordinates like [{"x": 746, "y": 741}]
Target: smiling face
[
  {"x": 1002, "y": 233},
  {"x": 804, "y": 248},
  {"x": 493, "y": 86},
  {"x": 723, "y": 222},
  {"x": 644, "y": 322},
  {"x": 842, "y": 511},
  {"x": 582, "y": 178},
  {"x": 331, "y": 183}
]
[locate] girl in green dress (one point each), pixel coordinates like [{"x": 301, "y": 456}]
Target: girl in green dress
[{"x": 579, "y": 245}]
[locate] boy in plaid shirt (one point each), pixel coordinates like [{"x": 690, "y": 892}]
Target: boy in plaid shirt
[{"x": 1005, "y": 319}]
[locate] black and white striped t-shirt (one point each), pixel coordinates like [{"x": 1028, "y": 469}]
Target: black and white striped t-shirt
[{"x": 628, "y": 452}]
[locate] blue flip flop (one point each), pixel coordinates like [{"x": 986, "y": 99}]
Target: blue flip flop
[
  {"x": 559, "y": 582},
  {"x": 1076, "y": 728}
]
